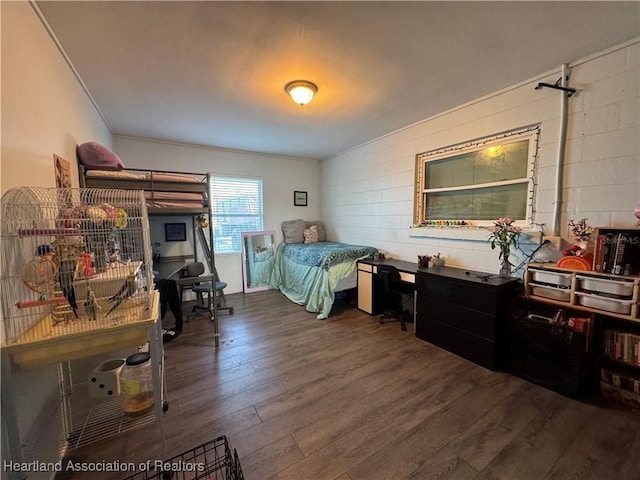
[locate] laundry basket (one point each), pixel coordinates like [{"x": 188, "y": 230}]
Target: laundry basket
[
  {"x": 212, "y": 460},
  {"x": 550, "y": 355}
]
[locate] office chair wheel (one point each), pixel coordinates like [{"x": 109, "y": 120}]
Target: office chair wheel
[
  {"x": 231, "y": 310},
  {"x": 403, "y": 327}
]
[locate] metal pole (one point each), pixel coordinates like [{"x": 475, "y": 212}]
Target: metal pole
[{"x": 562, "y": 138}]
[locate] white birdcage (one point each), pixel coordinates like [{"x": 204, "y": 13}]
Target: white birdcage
[{"x": 76, "y": 266}]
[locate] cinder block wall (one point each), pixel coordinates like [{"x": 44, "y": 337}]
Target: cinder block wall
[{"x": 367, "y": 192}]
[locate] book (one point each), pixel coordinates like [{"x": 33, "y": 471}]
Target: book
[
  {"x": 598, "y": 257},
  {"x": 621, "y": 245},
  {"x": 617, "y": 251},
  {"x": 631, "y": 258}
]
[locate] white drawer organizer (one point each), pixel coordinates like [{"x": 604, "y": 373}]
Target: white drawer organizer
[{"x": 613, "y": 295}]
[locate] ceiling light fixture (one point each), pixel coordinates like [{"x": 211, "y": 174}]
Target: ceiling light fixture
[{"x": 301, "y": 91}]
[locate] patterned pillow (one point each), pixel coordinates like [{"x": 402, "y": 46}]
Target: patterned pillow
[
  {"x": 321, "y": 235},
  {"x": 311, "y": 234}
]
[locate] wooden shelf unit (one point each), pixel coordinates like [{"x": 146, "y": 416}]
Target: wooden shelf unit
[
  {"x": 604, "y": 320},
  {"x": 574, "y": 290}
]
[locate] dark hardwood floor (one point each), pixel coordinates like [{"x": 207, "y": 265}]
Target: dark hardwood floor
[{"x": 348, "y": 399}]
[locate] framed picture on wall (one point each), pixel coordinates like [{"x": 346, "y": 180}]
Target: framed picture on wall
[
  {"x": 175, "y": 232},
  {"x": 63, "y": 172},
  {"x": 300, "y": 199}
]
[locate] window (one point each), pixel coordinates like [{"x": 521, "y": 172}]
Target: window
[
  {"x": 236, "y": 207},
  {"x": 478, "y": 181}
]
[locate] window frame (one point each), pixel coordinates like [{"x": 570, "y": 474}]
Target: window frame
[
  {"x": 214, "y": 215},
  {"x": 530, "y": 133}
]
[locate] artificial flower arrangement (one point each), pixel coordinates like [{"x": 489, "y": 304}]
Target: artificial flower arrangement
[
  {"x": 504, "y": 234},
  {"x": 581, "y": 230}
]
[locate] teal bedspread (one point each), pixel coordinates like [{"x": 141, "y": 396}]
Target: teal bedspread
[
  {"x": 308, "y": 274},
  {"x": 324, "y": 254}
]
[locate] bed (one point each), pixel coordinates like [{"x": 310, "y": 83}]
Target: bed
[
  {"x": 166, "y": 193},
  {"x": 311, "y": 273},
  {"x": 260, "y": 266}
]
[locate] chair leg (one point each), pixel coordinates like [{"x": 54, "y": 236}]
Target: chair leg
[
  {"x": 396, "y": 316},
  {"x": 222, "y": 301}
]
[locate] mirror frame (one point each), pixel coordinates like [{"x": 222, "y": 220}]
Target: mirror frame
[{"x": 245, "y": 235}]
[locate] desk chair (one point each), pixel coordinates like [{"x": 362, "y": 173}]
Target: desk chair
[
  {"x": 194, "y": 270},
  {"x": 392, "y": 299}
]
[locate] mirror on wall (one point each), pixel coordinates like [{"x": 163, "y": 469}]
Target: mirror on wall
[{"x": 258, "y": 256}]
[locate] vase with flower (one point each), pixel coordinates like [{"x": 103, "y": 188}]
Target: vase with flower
[
  {"x": 582, "y": 233},
  {"x": 503, "y": 235}
]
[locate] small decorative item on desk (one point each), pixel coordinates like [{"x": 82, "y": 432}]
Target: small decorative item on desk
[
  {"x": 503, "y": 235},
  {"x": 423, "y": 261},
  {"x": 379, "y": 255},
  {"x": 437, "y": 260}
]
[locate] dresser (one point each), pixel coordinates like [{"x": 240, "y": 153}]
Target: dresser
[{"x": 465, "y": 312}]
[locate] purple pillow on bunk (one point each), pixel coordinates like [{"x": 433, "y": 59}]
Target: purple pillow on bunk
[{"x": 98, "y": 157}]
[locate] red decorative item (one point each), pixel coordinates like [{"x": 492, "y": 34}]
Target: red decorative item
[
  {"x": 576, "y": 263},
  {"x": 86, "y": 265}
]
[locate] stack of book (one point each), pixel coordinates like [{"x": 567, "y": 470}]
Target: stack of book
[
  {"x": 617, "y": 251},
  {"x": 622, "y": 346},
  {"x": 620, "y": 380},
  {"x": 621, "y": 385},
  {"x": 620, "y": 388}
]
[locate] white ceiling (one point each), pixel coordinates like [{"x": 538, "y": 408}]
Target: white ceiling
[{"x": 213, "y": 73}]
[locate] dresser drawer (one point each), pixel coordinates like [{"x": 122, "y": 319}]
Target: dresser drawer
[
  {"x": 465, "y": 344},
  {"x": 479, "y": 323},
  {"x": 471, "y": 295}
]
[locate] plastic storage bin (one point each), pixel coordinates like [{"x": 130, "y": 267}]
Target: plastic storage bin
[
  {"x": 554, "y": 293},
  {"x": 558, "y": 279},
  {"x": 603, "y": 303},
  {"x": 601, "y": 285}
]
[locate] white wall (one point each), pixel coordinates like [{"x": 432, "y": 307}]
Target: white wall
[
  {"x": 367, "y": 192},
  {"x": 280, "y": 177},
  {"x": 47, "y": 111},
  {"x": 44, "y": 111}
]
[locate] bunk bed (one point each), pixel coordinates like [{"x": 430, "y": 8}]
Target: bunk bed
[
  {"x": 166, "y": 193},
  {"x": 310, "y": 272}
]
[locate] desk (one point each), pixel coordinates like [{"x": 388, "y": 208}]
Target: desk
[
  {"x": 459, "y": 310},
  {"x": 168, "y": 269},
  {"x": 368, "y": 300}
]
